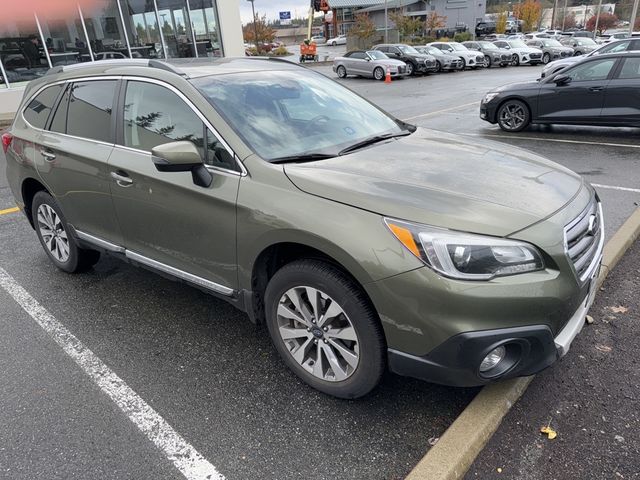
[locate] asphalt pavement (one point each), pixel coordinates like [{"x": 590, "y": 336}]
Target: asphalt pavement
[
  {"x": 590, "y": 399},
  {"x": 211, "y": 374}
]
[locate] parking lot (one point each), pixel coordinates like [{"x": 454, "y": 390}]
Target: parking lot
[{"x": 211, "y": 375}]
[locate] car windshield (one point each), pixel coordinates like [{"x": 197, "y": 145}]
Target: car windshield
[
  {"x": 517, "y": 44},
  {"x": 551, "y": 43},
  {"x": 376, "y": 55},
  {"x": 433, "y": 50},
  {"x": 293, "y": 113},
  {"x": 408, "y": 50},
  {"x": 585, "y": 41},
  {"x": 488, "y": 45},
  {"x": 458, "y": 46}
]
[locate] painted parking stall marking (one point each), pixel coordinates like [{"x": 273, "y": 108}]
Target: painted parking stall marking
[
  {"x": 9, "y": 210},
  {"x": 176, "y": 449}
]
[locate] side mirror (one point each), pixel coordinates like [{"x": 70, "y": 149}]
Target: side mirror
[
  {"x": 181, "y": 156},
  {"x": 562, "y": 80}
]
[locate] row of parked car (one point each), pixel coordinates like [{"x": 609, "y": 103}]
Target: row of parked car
[{"x": 405, "y": 60}]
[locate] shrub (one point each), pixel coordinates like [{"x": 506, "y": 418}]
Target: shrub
[
  {"x": 281, "y": 51},
  {"x": 462, "y": 37}
]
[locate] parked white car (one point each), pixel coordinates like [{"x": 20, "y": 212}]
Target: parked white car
[
  {"x": 470, "y": 58},
  {"x": 339, "y": 40},
  {"x": 521, "y": 53}
]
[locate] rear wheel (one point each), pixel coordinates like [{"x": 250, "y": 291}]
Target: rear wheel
[
  {"x": 333, "y": 44},
  {"x": 53, "y": 233},
  {"x": 438, "y": 66},
  {"x": 341, "y": 71},
  {"x": 515, "y": 59},
  {"x": 546, "y": 58},
  {"x": 324, "y": 328},
  {"x": 513, "y": 116},
  {"x": 378, "y": 73}
]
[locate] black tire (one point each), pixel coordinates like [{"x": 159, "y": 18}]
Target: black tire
[
  {"x": 515, "y": 59},
  {"x": 438, "y": 66},
  {"x": 546, "y": 58},
  {"x": 333, "y": 44},
  {"x": 464, "y": 64},
  {"x": 411, "y": 69},
  {"x": 487, "y": 61},
  {"x": 341, "y": 71},
  {"x": 379, "y": 73},
  {"x": 350, "y": 298},
  {"x": 577, "y": 53},
  {"x": 513, "y": 116},
  {"x": 79, "y": 259}
]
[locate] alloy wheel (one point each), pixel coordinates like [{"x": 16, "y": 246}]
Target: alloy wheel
[
  {"x": 512, "y": 116},
  {"x": 342, "y": 72},
  {"x": 53, "y": 233},
  {"x": 410, "y": 68},
  {"x": 545, "y": 58},
  {"x": 515, "y": 59},
  {"x": 318, "y": 334},
  {"x": 378, "y": 73}
]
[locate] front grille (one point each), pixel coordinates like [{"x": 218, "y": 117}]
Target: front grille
[
  {"x": 583, "y": 239},
  {"x": 504, "y": 57},
  {"x": 479, "y": 58},
  {"x": 564, "y": 54},
  {"x": 401, "y": 69},
  {"x": 535, "y": 55},
  {"x": 430, "y": 63}
]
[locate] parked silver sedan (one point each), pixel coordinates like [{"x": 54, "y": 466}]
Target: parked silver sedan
[{"x": 370, "y": 63}]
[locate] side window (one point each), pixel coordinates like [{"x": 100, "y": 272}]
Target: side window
[
  {"x": 630, "y": 68},
  {"x": 359, "y": 55},
  {"x": 154, "y": 115},
  {"x": 59, "y": 122},
  {"x": 616, "y": 47},
  {"x": 38, "y": 110},
  {"x": 597, "y": 70},
  {"x": 90, "y": 105}
]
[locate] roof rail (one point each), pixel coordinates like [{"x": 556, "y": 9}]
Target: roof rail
[{"x": 132, "y": 62}]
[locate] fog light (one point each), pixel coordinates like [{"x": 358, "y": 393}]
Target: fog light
[{"x": 494, "y": 358}]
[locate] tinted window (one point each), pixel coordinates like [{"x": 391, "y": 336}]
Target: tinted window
[
  {"x": 40, "y": 107},
  {"x": 90, "y": 105},
  {"x": 358, "y": 55},
  {"x": 615, "y": 47},
  {"x": 630, "y": 68},
  {"x": 59, "y": 122},
  {"x": 598, "y": 70}
]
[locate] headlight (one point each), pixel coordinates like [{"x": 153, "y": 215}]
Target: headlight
[
  {"x": 489, "y": 96},
  {"x": 464, "y": 255}
]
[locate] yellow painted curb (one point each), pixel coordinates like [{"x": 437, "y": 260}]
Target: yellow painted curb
[{"x": 451, "y": 457}]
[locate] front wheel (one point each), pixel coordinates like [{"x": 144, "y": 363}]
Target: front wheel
[
  {"x": 378, "y": 73},
  {"x": 411, "y": 69},
  {"x": 341, "y": 71},
  {"x": 546, "y": 58},
  {"x": 53, "y": 233},
  {"x": 513, "y": 116},
  {"x": 515, "y": 59},
  {"x": 325, "y": 329},
  {"x": 487, "y": 61},
  {"x": 438, "y": 66},
  {"x": 333, "y": 44}
]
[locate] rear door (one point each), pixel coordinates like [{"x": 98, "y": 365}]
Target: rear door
[
  {"x": 622, "y": 98},
  {"x": 167, "y": 221},
  {"x": 582, "y": 98},
  {"x": 72, "y": 153}
]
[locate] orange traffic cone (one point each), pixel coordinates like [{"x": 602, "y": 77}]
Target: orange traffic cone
[{"x": 387, "y": 78}]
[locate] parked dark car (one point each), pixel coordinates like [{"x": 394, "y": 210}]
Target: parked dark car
[
  {"x": 601, "y": 90},
  {"x": 485, "y": 28},
  {"x": 444, "y": 61},
  {"x": 416, "y": 62},
  {"x": 627, "y": 44},
  {"x": 493, "y": 55}
]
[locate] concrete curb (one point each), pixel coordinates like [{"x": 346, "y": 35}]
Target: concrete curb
[{"x": 459, "y": 446}]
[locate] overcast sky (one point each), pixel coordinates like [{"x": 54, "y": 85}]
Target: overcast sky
[{"x": 272, "y": 7}]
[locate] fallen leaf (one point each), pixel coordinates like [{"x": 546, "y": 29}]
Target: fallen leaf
[
  {"x": 603, "y": 348},
  {"x": 551, "y": 433},
  {"x": 589, "y": 319},
  {"x": 619, "y": 309},
  {"x": 499, "y": 470},
  {"x": 433, "y": 440}
]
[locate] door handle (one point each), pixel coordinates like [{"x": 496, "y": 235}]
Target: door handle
[
  {"x": 48, "y": 156},
  {"x": 121, "y": 178},
  {"x": 596, "y": 89}
]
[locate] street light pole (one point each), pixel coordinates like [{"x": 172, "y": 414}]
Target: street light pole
[
  {"x": 634, "y": 13},
  {"x": 386, "y": 23},
  {"x": 255, "y": 26},
  {"x": 595, "y": 30},
  {"x": 564, "y": 14}
]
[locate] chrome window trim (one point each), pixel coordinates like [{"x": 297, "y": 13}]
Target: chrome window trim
[
  {"x": 243, "y": 171},
  {"x": 163, "y": 267}
]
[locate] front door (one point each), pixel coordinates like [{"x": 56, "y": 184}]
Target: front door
[
  {"x": 164, "y": 216},
  {"x": 580, "y": 100}
]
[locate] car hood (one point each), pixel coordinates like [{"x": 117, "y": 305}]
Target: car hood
[
  {"x": 526, "y": 50},
  {"x": 510, "y": 87},
  {"x": 443, "y": 180}
]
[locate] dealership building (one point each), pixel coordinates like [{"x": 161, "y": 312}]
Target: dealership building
[{"x": 114, "y": 29}]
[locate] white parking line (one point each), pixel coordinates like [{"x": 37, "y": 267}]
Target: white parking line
[
  {"x": 176, "y": 449},
  {"x": 546, "y": 139},
  {"x": 441, "y": 111},
  {"x": 613, "y": 187}
]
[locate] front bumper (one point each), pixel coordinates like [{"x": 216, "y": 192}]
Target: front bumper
[
  {"x": 488, "y": 111},
  {"x": 530, "y": 349}
]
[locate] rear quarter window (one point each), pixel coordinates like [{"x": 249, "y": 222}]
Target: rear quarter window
[{"x": 38, "y": 110}]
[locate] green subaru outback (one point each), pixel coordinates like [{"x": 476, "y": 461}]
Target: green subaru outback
[{"x": 361, "y": 241}]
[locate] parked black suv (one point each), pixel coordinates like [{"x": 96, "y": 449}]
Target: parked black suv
[
  {"x": 416, "y": 62},
  {"x": 485, "y": 28}
]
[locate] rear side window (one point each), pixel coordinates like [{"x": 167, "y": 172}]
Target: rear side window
[
  {"x": 630, "y": 68},
  {"x": 38, "y": 110},
  {"x": 89, "y": 112}
]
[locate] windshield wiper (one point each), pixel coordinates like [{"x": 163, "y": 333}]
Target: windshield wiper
[
  {"x": 305, "y": 157},
  {"x": 370, "y": 141}
]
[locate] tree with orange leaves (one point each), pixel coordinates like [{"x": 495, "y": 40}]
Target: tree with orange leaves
[{"x": 529, "y": 13}]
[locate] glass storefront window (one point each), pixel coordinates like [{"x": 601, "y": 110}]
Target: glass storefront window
[
  {"x": 176, "y": 27},
  {"x": 65, "y": 39},
  {"x": 142, "y": 28},
  {"x": 105, "y": 30},
  {"x": 205, "y": 26},
  {"x": 21, "y": 52}
]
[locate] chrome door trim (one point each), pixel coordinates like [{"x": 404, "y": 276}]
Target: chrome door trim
[
  {"x": 112, "y": 247},
  {"x": 202, "y": 282},
  {"x": 149, "y": 262}
]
